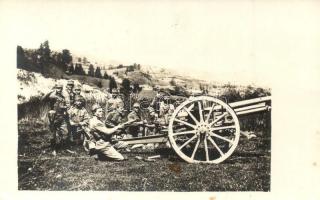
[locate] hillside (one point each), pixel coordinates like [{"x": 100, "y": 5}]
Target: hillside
[
  {"x": 34, "y": 85},
  {"x": 42, "y": 68}
]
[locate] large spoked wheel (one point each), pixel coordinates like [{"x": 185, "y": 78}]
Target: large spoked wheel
[{"x": 204, "y": 130}]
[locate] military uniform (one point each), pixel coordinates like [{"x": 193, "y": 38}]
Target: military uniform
[
  {"x": 69, "y": 98},
  {"x": 77, "y": 94},
  {"x": 79, "y": 121},
  {"x": 114, "y": 118},
  {"x": 58, "y": 119},
  {"x": 135, "y": 129},
  {"x": 152, "y": 126},
  {"x": 113, "y": 103},
  {"x": 101, "y": 140}
]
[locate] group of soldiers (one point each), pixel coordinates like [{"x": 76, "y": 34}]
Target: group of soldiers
[{"x": 71, "y": 124}]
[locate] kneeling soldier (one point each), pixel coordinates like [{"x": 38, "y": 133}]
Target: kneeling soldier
[{"x": 101, "y": 137}]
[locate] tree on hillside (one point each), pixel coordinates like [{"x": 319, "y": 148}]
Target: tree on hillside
[
  {"x": 21, "y": 57},
  {"x": 125, "y": 85},
  {"x": 71, "y": 68},
  {"x": 112, "y": 84},
  {"x": 126, "y": 90},
  {"x": 76, "y": 69},
  {"x": 44, "y": 51},
  {"x": 84, "y": 60},
  {"x": 57, "y": 58},
  {"x": 97, "y": 73},
  {"x": 136, "y": 88},
  {"x": 43, "y": 55},
  {"x": 79, "y": 70},
  {"x": 105, "y": 75},
  {"x": 66, "y": 57},
  {"x": 91, "y": 70}
]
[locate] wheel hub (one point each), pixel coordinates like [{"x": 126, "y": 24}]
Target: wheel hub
[{"x": 202, "y": 128}]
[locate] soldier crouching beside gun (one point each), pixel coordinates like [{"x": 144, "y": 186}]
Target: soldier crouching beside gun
[
  {"x": 100, "y": 142},
  {"x": 58, "y": 117}
]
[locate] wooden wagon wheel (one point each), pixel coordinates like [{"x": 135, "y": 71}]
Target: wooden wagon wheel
[{"x": 204, "y": 130}]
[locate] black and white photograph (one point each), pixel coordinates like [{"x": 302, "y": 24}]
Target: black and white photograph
[
  {"x": 176, "y": 97},
  {"x": 145, "y": 128}
]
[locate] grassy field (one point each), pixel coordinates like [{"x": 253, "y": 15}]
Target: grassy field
[{"x": 248, "y": 169}]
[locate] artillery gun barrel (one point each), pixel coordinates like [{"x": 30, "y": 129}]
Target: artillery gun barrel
[
  {"x": 248, "y": 106},
  {"x": 249, "y": 102}
]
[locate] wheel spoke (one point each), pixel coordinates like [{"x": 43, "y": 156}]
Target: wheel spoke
[
  {"x": 215, "y": 145},
  {"x": 190, "y": 107},
  {"x": 220, "y": 137},
  {"x": 211, "y": 109},
  {"x": 185, "y": 123},
  {"x": 200, "y": 111},
  {"x": 223, "y": 127},
  {"x": 206, "y": 149},
  {"x": 218, "y": 118},
  {"x": 184, "y": 133},
  {"x": 187, "y": 142},
  {"x": 195, "y": 149},
  {"x": 191, "y": 115}
]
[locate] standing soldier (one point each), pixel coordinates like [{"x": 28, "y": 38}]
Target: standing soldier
[
  {"x": 114, "y": 101},
  {"x": 101, "y": 137},
  {"x": 77, "y": 93},
  {"x": 79, "y": 120},
  {"x": 69, "y": 94},
  {"x": 58, "y": 118},
  {"x": 158, "y": 100},
  {"x": 69, "y": 98}
]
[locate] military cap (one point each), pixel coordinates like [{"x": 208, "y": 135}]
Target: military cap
[
  {"x": 136, "y": 105},
  {"x": 70, "y": 82},
  {"x": 77, "y": 87},
  {"x": 79, "y": 98},
  {"x": 95, "y": 107},
  {"x": 156, "y": 88},
  {"x": 58, "y": 85},
  {"x": 166, "y": 107}
]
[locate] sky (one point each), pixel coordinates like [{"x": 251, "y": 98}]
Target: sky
[{"x": 241, "y": 42}]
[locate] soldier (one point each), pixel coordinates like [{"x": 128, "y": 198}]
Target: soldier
[
  {"x": 101, "y": 137},
  {"x": 58, "y": 118},
  {"x": 136, "y": 128},
  {"x": 113, "y": 101},
  {"x": 152, "y": 126},
  {"x": 69, "y": 94},
  {"x": 77, "y": 92},
  {"x": 79, "y": 120},
  {"x": 158, "y": 99},
  {"x": 115, "y": 117}
]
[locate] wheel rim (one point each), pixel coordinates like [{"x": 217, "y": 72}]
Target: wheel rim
[{"x": 204, "y": 130}]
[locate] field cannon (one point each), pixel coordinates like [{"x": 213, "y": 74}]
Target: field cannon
[{"x": 205, "y": 129}]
